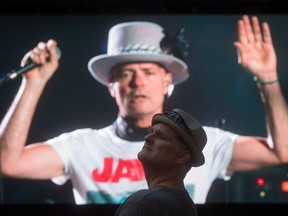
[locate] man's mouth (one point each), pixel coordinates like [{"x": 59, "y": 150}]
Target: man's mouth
[
  {"x": 146, "y": 147},
  {"x": 138, "y": 97}
]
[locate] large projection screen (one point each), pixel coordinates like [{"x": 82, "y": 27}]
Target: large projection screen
[{"x": 219, "y": 91}]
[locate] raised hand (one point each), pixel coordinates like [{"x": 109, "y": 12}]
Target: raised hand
[
  {"x": 255, "y": 49},
  {"x": 39, "y": 55}
]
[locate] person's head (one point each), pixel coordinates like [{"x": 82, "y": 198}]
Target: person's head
[
  {"x": 137, "y": 69},
  {"x": 176, "y": 140}
]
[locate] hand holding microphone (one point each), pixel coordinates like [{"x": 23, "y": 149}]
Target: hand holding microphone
[{"x": 30, "y": 65}]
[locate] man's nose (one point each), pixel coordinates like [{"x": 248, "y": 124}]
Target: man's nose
[
  {"x": 148, "y": 137},
  {"x": 138, "y": 79}
]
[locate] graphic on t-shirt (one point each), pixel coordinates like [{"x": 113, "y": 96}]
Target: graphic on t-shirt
[{"x": 130, "y": 169}]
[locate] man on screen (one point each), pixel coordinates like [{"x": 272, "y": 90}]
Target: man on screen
[{"x": 139, "y": 70}]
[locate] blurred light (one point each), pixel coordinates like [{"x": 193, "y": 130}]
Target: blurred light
[
  {"x": 261, "y": 182},
  {"x": 262, "y": 194},
  {"x": 284, "y": 186}
]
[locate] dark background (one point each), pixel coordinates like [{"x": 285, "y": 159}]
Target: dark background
[{"x": 218, "y": 88}]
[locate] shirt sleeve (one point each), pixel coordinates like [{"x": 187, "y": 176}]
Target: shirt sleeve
[
  {"x": 218, "y": 151},
  {"x": 65, "y": 145}
]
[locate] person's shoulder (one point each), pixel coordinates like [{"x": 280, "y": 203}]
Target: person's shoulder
[
  {"x": 212, "y": 131},
  {"x": 162, "y": 193},
  {"x": 218, "y": 137},
  {"x": 87, "y": 131},
  {"x": 139, "y": 195}
]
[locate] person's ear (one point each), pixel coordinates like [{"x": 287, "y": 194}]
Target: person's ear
[
  {"x": 111, "y": 88},
  {"x": 168, "y": 84},
  {"x": 183, "y": 157},
  {"x": 168, "y": 80}
]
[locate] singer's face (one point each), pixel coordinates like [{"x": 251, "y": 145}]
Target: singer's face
[{"x": 139, "y": 88}]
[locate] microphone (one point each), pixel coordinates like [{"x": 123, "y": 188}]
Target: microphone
[{"x": 14, "y": 74}]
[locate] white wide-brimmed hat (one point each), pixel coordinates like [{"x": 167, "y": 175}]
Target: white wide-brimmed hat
[
  {"x": 136, "y": 42},
  {"x": 188, "y": 128}
]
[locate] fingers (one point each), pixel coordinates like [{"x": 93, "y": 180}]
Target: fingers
[
  {"x": 42, "y": 53},
  {"x": 39, "y": 53},
  {"x": 241, "y": 32},
  {"x": 51, "y": 46},
  {"x": 266, "y": 33},
  {"x": 250, "y": 32},
  {"x": 248, "y": 29},
  {"x": 257, "y": 29}
]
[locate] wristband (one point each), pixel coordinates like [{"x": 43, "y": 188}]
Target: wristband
[{"x": 265, "y": 82}]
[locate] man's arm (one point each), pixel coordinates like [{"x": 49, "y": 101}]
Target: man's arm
[
  {"x": 257, "y": 55},
  {"x": 38, "y": 161}
]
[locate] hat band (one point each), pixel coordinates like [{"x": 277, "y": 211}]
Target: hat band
[
  {"x": 138, "y": 48},
  {"x": 178, "y": 119}
]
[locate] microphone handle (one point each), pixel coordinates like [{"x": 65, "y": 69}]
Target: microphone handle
[{"x": 14, "y": 74}]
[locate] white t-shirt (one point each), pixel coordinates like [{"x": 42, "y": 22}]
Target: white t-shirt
[{"x": 104, "y": 169}]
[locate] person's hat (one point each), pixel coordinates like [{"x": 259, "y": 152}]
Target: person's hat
[
  {"x": 136, "y": 42},
  {"x": 188, "y": 128}
]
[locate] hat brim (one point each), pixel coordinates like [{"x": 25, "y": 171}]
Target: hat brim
[
  {"x": 197, "y": 155},
  {"x": 100, "y": 66}
]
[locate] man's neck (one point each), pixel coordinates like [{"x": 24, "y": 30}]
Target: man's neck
[
  {"x": 126, "y": 129},
  {"x": 165, "y": 179}
]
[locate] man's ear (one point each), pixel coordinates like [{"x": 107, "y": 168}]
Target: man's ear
[
  {"x": 111, "y": 88},
  {"x": 183, "y": 157},
  {"x": 168, "y": 79},
  {"x": 168, "y": 84}
]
